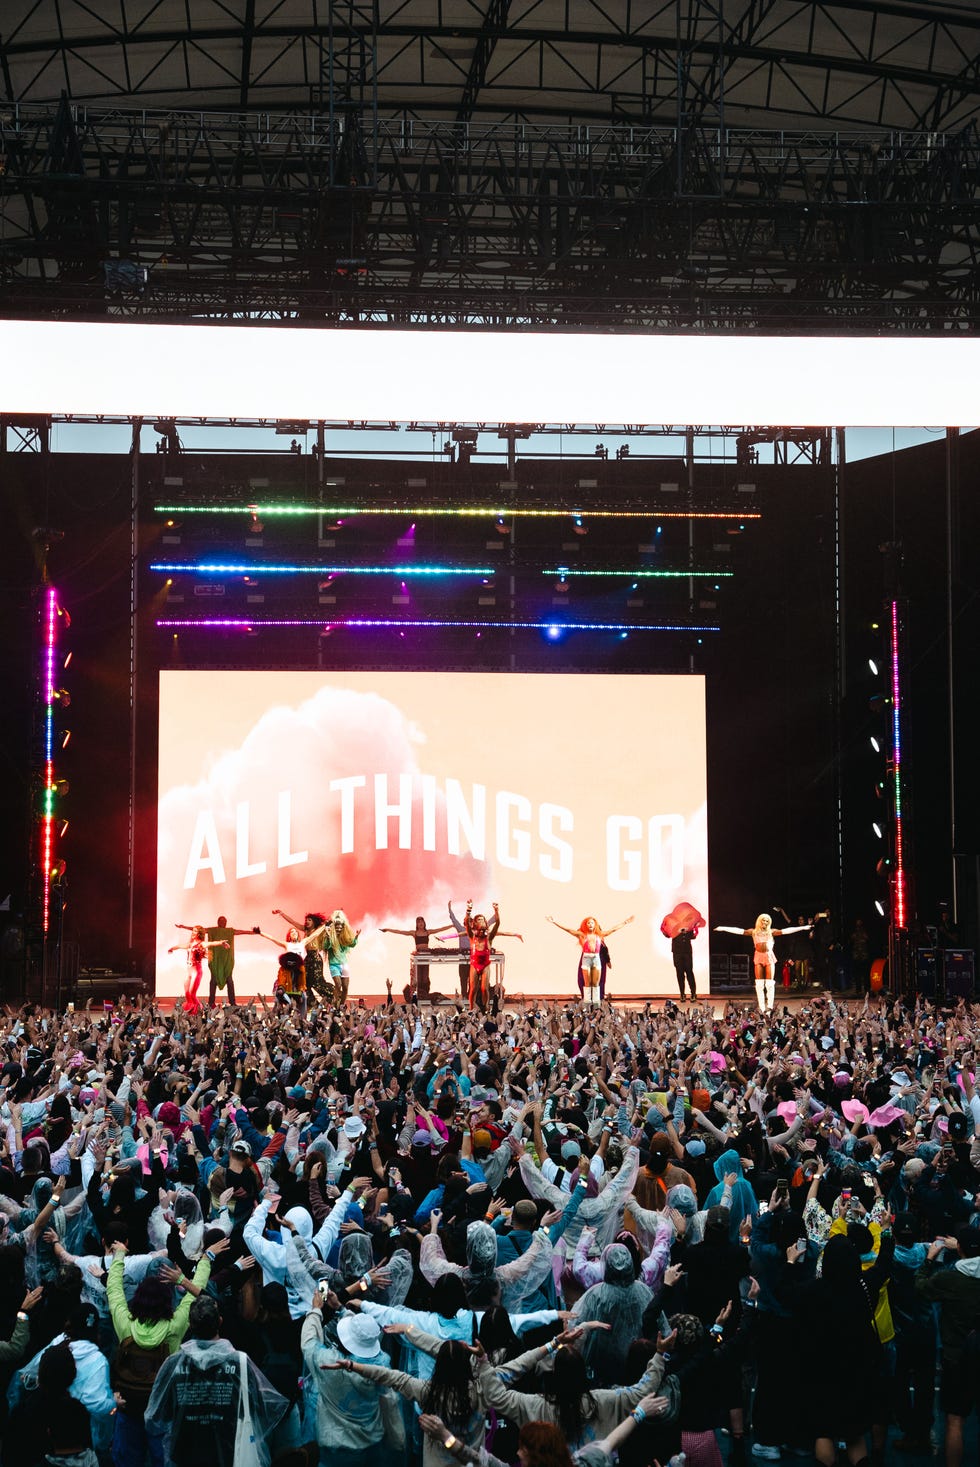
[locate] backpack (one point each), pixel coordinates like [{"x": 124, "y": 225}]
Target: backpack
[
  {"x": 134, "y": 1370},
  {"x": 282, "y": 1371}
]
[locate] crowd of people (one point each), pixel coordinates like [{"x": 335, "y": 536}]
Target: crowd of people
[{"x": 248, "y": 1235}]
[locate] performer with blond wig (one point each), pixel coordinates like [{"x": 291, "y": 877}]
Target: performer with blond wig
[{"x": 764, "y": 958}]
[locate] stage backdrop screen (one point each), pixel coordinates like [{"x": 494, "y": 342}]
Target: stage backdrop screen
[{"x": 391, "y": 794}]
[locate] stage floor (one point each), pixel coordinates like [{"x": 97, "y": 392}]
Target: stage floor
[{"x": 516, "y": 1002}]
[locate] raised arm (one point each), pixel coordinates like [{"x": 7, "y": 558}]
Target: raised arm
[
  {"x": 292, "y": 922},
  {"x": 274, "y": 940},
  {"x": 572, "y": 931},
  {"x": 737, "y": 931}
]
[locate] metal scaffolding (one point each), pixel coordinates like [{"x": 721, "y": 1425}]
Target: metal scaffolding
[{"x": 343, "y": 216}]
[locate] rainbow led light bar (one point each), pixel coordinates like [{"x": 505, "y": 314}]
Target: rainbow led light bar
[
  {"x": 47, "y": 811},
  {"x": 899, "y": 893},
  {"x": 215, "y": 568},
  {"x": 246, "y": 625},
  {"x": 476, "y": 511},
  {"x": 679, "y": 575}
]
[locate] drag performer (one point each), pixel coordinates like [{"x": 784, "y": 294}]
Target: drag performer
[
  {"x": 314, "y": 939},
  {"x": 421, "y": 933},
  {"x": 221, "y": 963},
  {"x": 197, "y": 949},
  {"x": 464, "y": 950},
  {"x": 764, "y": 957},
  {"x": 291, "y": 979},
  {"x": 592, "y": 939},
  {"x": 481, "y": 950},
  {"x": 341, "y": 938}
]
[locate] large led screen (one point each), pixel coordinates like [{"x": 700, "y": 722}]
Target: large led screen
[{"x": 390, "y": 795}]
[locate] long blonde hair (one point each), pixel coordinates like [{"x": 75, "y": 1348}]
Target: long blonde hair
[
  {"x": 763, "y": 917},
  {"x": 346, "y": 936}
]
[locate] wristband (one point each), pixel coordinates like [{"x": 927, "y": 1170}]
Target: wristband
[
  {"x": 23, "y": 1317},
  {"x": 638, "y": 1414},
  {"x": 209, "y": 1255},
  {"x": 449, "y": 1443},
  {"x": 717, "y": 1330}
]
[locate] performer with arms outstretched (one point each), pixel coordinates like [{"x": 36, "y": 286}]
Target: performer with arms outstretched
[
  {"x": 764, "y": 958},
  {"x": 197, "y": 949},
  {"x": 591, "y": 938}
]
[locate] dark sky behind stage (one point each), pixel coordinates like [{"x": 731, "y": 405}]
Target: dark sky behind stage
[{"x": 772, "y": 723}]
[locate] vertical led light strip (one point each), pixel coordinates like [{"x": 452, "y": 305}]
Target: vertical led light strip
[
  {"x": 47, "y": 817},
  {"x": 898, "y": 884}
]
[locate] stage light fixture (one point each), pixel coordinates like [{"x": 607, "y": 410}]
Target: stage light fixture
[
  {"x": 873, "y": 666},
  {"x": 875, "y": 744},
  {"x": 62, "y": 696},
  {"x": 67, "y": 662},
  {"x": 879, "y": 908},
  {"x": 66, "y": 738},
  {"x": 899, "y": 914},
  {"x": 50, "y": 694},
  {"x": 223, "y": 568},
  {"x": 251, "y": 625},
  {"x": 877, "y": 829},
  {"x": 455, "y": 511},
  {"x": 676, "y": 575}
]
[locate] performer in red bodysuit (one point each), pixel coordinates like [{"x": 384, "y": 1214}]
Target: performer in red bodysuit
[
  {"x": 197, "y": 949},
  {"x": 481, "y": 943}
]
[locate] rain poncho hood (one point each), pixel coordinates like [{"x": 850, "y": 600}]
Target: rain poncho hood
[
  {"x": 619, "y": 1301},
  {"x": 743, "y": 1203}
]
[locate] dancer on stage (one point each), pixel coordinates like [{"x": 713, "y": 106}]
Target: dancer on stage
[
  {"x": 421, "y": 932},
  {"x": 481, "y": 939},
  {"x": 591, "y": 938},
  {"x": 464, "y": 950},
  {"x": 197, "y": 949},
  {"x": 291, "y": 979},
  {"x": 764, "y": 958},
  {"x": 222, "y": 962},
  {"x": 341, "y": 938},
  {"x": 314, "y": 939},
  {"x": 682, "y": 926}
]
